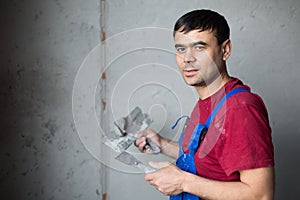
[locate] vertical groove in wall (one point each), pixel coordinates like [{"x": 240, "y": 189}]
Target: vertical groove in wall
[{"x": 103, "y": 113}]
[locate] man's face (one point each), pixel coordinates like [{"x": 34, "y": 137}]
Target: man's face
[{"x": 199, "y": 57}]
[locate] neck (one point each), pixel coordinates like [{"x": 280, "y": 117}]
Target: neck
[{"x": 210, "y": 89}]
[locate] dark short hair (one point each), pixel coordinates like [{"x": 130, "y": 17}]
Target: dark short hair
[{"x": 204, "y": 20}]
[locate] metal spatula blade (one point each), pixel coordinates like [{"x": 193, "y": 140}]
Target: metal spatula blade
[{"x": 130, "y": 160}]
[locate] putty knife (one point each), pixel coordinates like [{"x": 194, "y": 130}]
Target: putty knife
[{"x": 130, "y": 160}]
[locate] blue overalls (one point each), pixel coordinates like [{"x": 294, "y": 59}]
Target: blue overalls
[{"x": 186, "y": 161}]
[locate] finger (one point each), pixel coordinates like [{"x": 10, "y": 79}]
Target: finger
[
  {"x": 148, "y": 177},
  {"x": 159, "y": 165},
  {"x": 142, "y": 147},
  {"x": 153, "y": 183},
  {"x": 139, "y": 142},
  {"x": 140, "y": 134}
]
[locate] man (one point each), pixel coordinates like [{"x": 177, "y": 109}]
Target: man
[{"x": 233, "y": 152}]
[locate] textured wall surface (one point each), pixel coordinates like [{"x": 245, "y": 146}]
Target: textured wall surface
[
  {"x": 265, "y": 56},
  {"x": 43, "y": 44}
]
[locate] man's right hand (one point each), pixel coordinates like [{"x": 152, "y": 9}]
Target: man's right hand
[
  {"x": 168, "y": 147},
  {"x": 141, "y": 142}
]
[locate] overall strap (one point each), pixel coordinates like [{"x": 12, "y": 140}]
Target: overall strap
[
  {"x": 221, "y": 102},
  {"x": 200, "y": 129}
]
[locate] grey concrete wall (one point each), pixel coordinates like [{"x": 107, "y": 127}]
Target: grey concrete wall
[
  {"x": 43, "y": 44},
  {"x": 265, "y": 56}
]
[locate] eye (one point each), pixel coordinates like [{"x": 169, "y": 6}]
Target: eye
[
  {"x": 199, "y": 47},
  {"x": 180, "y": 49}
]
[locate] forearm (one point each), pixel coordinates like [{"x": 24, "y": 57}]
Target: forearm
[
  {"x": 169, "y": 147},
  {"x": 210, "y": 189}
]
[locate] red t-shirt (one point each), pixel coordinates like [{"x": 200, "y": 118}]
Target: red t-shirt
[{"x": 238, "y": 138}]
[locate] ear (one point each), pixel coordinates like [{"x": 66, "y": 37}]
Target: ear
[{"x": 226, "y": 48}]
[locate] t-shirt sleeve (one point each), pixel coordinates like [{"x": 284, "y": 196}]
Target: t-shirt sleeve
[{"x": 247, "y": 142}]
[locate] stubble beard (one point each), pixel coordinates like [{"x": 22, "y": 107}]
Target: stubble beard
[
  {"x": 200, "y": 81},
  {"x": 197, "y": 82}
]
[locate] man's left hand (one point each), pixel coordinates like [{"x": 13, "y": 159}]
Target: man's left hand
[{"x": 168, "y": 179}]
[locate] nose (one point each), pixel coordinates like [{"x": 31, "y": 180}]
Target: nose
[{"x": 189, "y": 56}]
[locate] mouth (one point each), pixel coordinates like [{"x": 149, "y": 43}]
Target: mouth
[{"x": 190, "y": 72}]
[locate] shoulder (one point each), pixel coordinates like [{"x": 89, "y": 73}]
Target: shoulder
[
  {"x": 245, "y": 100},
  {"x": 247, "y": 111},
  {"x": 242, "y": 99}
]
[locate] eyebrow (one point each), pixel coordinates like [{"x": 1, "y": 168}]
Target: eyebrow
[{"x": 192, "y": 44}]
